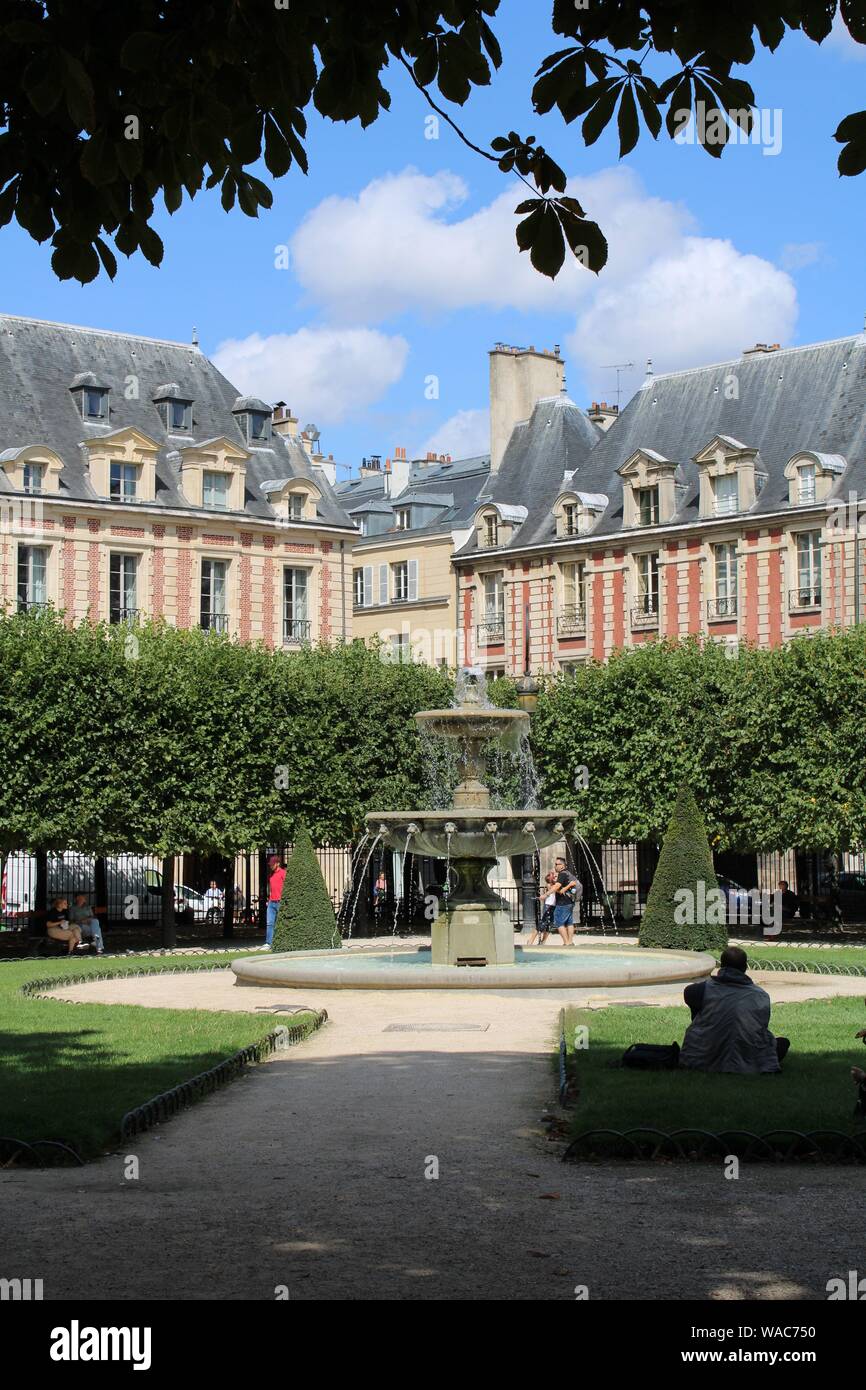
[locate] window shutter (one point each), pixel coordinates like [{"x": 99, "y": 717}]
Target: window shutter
[
  {"x": 383, "y": 583},
  {"x": 368, "y": 585},
  {"x": 413, "y": 580}
]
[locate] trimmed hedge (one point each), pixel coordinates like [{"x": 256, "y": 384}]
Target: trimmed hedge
[
  {"x": 305, "y": 919},
  {"x": 685, "y": 865}
]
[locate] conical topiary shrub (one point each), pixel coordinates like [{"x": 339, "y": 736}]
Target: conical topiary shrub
[
  {"x": 305, "y": 920},
  {"x": 685, "y": 909}
]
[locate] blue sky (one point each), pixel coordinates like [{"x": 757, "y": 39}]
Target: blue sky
[{"x": 402, "y": 268}]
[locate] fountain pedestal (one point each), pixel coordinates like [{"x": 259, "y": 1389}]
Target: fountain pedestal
[{"x": 475, "y": 927}]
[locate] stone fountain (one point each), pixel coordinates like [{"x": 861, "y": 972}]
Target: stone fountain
[{"x": 474, "y": 927}]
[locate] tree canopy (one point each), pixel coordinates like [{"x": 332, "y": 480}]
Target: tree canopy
[
  {"x": 772, "y": 742},
  {"x": 106, "y": 106}
]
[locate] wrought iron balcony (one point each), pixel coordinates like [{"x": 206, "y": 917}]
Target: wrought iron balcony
[
  {"x": 296, "y": 631},
  {"x": 26, "y": 605},
  {"x": 720, "y": 608},
  {"x": 491, "y": 631},
  {"x": 215, "y": 622},
  {"x": 123, "y": 615},
  {"x": 647, "y": 612},
  {"x": 807, "y": 597},
  {"x": 571, "y": 621}
]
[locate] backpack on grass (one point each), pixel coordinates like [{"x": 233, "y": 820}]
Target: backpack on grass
[{"x": 652, "y": 1056}]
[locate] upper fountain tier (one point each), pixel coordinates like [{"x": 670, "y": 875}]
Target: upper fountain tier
[{"x": 475, "y": 726}]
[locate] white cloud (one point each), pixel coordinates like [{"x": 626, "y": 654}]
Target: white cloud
[
  {"x": 323, "y": 373},
  {"x": 796, "y": 255},
  {"x": 393, "y": 248},
  {"x": 701, "y": 301},
  {"x": 840, "y": 42},
  {"x": 667, "y": 292},
  {"x": 465, "y": 435}
]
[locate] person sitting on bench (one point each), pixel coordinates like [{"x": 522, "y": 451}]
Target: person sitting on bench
[
  {"x": 59, "y": 927},
  {"x": 730, "y": 1014},
  {"x": 81, "y": 915}
]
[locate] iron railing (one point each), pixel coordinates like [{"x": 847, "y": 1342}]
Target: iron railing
[
  {"x": 722, "y": 607},
  {"x": 809, "y": 596},
  {"x": 491, "y": 632},
  {"x": 296, "y": 630},
  {"x": 215, "y": 622},
  {"x": 647, "y": 612},
  {"x": 123, "y": 615},
  {"x": 571, "y": 621}
]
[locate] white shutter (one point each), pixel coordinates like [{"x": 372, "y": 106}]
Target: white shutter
[
  {"x": 383, "y": 583},
  {"x": 413, "y": 580},
  {"x": 368, "y": 585}
]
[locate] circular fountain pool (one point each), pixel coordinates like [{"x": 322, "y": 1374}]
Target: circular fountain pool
[{"x": 576, "y": 968}]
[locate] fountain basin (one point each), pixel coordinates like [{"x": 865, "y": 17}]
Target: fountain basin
[
  {"x": 471, "y": 832},
  {"x": 591, "y": 967}
]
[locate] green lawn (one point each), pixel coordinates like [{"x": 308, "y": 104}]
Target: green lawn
[
  {"x": 814, "y": 1090},
  {"x": 71, "y": 1071}
]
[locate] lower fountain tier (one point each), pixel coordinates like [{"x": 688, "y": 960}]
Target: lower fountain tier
[{"x": 482, "y": 834}]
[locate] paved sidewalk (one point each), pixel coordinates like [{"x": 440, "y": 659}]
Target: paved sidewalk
[{"x": 312, "y": 1172}]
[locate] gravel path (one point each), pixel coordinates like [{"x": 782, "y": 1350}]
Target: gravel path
[{"x": 312, "y": 1173}]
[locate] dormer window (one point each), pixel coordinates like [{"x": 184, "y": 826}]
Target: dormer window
[
  {"x": 491, "y": 531},
  {"x": 91, "y": 397},
  {"x": 726, "y": 494},
  {"x": 257, "y": 425},
  {"x": 215, "y": 490},
  {"x": 95, "y": 405},
  {"x": 647, "y": 499},
  {"x": 403, "y": 519},
  {"x": 33, "y": 477},
  {"x": 569, "y": 519},
  {"x": 297, "y": 502},
  {"x": 254, "y": 419},
  {"x": 812, "y": 477},
  {"x": 175, "y": 409},
  {"x": 123, "y": 482}
]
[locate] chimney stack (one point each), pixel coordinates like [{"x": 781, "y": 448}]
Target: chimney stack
[{"x": 518, "y": 378}]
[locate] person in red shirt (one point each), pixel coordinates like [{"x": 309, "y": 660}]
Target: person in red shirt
[{"x": 276, "y": 879}]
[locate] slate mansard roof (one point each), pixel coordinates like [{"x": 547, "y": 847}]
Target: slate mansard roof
[
  {"x": 781, "y": 403},
  {"x": 40, "y": 362},
  {"x": 454, "y": 488}
]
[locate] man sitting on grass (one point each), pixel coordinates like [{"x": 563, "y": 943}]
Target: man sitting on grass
[{"x": 730, "y": 1014}]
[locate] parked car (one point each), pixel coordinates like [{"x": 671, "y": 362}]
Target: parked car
[{"x": 740, "y": 903}]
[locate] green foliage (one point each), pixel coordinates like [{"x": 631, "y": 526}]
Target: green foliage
[
  {"x": 106, "y": 107},
  {"x": 773, "y": 742},
  {"x": 159, "y": 739},
  {"x": 305, "y": 919},
  {"x": 685, "y": 863}
]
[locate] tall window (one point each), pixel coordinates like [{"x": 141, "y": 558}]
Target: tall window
[
  {"x": 574, "y": 587},
  {"x": 34, "y": 477},
  {"x": 122, "y": 588},
  {"x": 296, "y": 506},
  {"x": 806, "y": 483},
  {"x": 494, "y": 598},
  {"x": 214, "y": 595},
  {"x": 648, "y": 584},
  {"x": 648, "y": 506},
  {"x": 123, "y": 482},
  {"x": 400, "y": 586},
  {"x": 32, "y": 577},
  {"x": 404, "y": 519},
  {"x": 296, "y": 612},
  {"x": 726, "y": 494},
  {"x": 491, "y": 531},
  {"x": 725, "y": 567},
  {"x": 215, "y": 491},
  {"x": 808, "y": 591},
  {"x": 363, "y": 586},
  {"x": 570, "y": 519}
]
